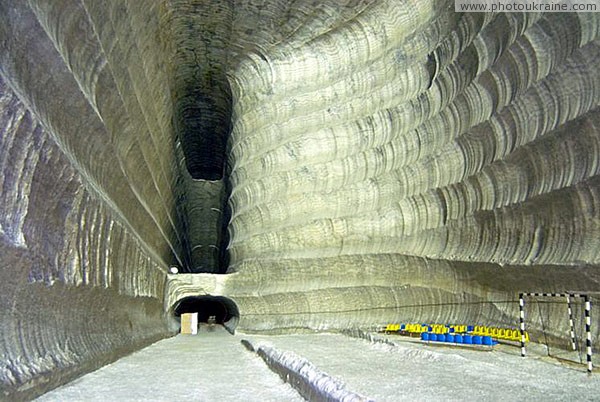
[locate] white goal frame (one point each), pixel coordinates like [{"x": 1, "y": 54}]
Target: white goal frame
[{"x": 567, "y": 296}]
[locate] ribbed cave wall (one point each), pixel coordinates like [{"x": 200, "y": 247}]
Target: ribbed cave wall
[
  {"x": 372, "y": 161},
  {"x": 88, "y": 217},
  {"x": 396, "y": 161}
]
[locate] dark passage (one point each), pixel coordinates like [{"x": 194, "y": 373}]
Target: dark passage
[
  {"x": 202, "y": 99},
  {"x": 201, "y": 96},
  {"x": 203, "y": 122},
  {"x": 223, "y": 309}
]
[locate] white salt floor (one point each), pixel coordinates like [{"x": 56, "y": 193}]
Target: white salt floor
[
  {"x": 212, "y": 366},
  {"x": 415, "y": 371},
  {"x": 216, "y": 367}
]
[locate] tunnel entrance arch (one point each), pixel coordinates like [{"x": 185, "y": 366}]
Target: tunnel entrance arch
[{"x": 224, "y": 310}]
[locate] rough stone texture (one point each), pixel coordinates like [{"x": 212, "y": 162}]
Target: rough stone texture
[
  {"x": 88, "y": 224},
  {"x": 396, "y": 161},
  {"x": 382, "y": 161},
  {"x": 488, "y": 163}
]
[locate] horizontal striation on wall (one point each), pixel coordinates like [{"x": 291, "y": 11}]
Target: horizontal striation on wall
[
  {"x": 78, "y": 288},
  {"x": 427, "y": 171},
  {"x": 88, "y": 220},
  {"x": 348, "y": 163},
  {"x": 68, "y": 114}
]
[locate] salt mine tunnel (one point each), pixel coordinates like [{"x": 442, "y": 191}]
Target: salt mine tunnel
[{"x": 317, "y": 165}]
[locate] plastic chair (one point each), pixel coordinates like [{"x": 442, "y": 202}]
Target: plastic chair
[
  {"x": 458, "y": 338},
  {"x": 468, "y": 339},
  {"x": 487, "y": 340},
  {"x": 450, "y": 338},
  {"x": 477, "y": 340}
]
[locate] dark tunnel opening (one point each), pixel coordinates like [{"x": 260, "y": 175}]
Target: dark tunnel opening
[{"x": 224, "y": 310}]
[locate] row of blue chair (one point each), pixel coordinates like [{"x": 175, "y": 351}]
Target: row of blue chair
[{"x": 458, "y": 338}]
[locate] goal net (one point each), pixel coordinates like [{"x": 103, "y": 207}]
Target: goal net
[{"x": 559, "y": 324}]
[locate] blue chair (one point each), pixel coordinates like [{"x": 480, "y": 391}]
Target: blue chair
[
  {"x": 470, "y": 328},
  {"x": 424, "y": 336},
  {"x": 450, "y": 338},
  {"x": 441, "y": 338},
  {"x": 477, "y": 340},
  {"x": 468, "y": 339},
  {"x": 433, "y": 337},
  {"x": 487, "y": 340},
  {"x": 458, "y": 338}
]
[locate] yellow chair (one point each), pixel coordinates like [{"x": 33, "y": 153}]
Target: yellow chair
[{"x": 516, "y": 335}]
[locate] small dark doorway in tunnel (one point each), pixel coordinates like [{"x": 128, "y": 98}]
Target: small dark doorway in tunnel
[{"x": 224, "y": 310}]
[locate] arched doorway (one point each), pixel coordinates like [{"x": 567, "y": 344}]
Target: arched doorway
[{"x": 223, "y": 309}]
